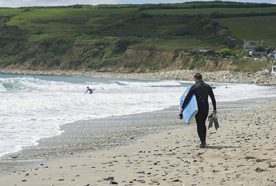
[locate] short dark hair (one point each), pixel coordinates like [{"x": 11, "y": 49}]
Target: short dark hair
[{"x": 198, "y": 76}]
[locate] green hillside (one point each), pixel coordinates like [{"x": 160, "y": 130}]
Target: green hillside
[
  {"x": 252, "y": 28},
  {"x": 210, "y": 11},
  {"x": 131, "y": 37}
]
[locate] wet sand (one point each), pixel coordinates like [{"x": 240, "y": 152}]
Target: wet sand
[{"x": 241, "y": 152}]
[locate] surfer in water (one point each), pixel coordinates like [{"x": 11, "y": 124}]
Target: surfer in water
[
  {"x": 201, "y": 90},
  {"x": 89, "y": 90}
]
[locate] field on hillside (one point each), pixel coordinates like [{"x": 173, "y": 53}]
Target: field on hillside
[
  {"x": 134, "y": 21},
  {"x": 63, "y": 22},
  {"x": 252, "y": 28},
  {"x": 9, "y": 11},
  {"x": 209, "y": 11},
  {"x": 94, "y": 23}
]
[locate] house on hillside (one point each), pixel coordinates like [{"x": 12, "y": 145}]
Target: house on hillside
[
  {"x": 257, "y": 54},
  {"x": 255, "y": 49},
  {"x": 251, "y": 45},
  {"x": 200, "y": 50}
]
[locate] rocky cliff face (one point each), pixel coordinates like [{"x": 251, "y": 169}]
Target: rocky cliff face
[
  {"x": 155, "y": 60},
  {"x": 83, "y": 57}
]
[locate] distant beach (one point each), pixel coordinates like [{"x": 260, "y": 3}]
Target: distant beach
[{"x": 260, "y": 77}]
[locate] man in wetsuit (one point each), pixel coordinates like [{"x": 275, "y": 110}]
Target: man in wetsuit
[
  {"x": 201, "y": 90},
  {"x": 89, "y": 90}
]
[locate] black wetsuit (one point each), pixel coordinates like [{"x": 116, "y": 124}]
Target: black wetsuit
[
  {"x": 89, "y": 90},
  {"x": 201, "y": 90}
]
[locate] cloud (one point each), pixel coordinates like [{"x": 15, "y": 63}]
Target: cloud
[{"x": 24, "y": 3}]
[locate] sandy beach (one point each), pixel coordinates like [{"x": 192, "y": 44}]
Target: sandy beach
[{"x": 241, "y": 152}]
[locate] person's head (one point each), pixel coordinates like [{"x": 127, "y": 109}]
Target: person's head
[
  {"x": 87, "y": 87},
  {"x": 198, "y": 77}
]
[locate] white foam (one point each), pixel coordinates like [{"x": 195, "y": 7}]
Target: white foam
[{"x": 235, "y": 92}]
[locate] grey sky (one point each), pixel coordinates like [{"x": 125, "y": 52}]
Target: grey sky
[{"x": 19, "y": 3}]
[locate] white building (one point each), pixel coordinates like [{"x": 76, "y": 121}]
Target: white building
[{"x": 251, "y": 45}]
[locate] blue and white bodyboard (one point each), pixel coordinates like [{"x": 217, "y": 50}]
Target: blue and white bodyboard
[{"x": 191, "y": 109}]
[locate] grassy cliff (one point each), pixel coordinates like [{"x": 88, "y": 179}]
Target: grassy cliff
[{"x": 134, "y": 37}]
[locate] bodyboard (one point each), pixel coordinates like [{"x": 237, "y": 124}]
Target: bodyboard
[{"x": 191, "y": 109}]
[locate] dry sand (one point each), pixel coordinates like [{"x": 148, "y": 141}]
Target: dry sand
[{"x": 241, "y": 152}]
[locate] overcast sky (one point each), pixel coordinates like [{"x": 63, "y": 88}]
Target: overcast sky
[{"x": 20, "y": 3}]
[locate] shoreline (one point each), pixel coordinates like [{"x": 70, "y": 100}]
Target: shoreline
[
  {"x": 55, "y": 146},
  {"x": 261, "y": 77},
  {"x": 33, "y": 167},
  {"x": 64, "y": 127}
]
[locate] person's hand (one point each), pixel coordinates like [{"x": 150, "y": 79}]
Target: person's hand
[{"x": 180, "y": 116}]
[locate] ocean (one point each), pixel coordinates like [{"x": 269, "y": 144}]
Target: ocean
[{"x": 34, "y": 107}]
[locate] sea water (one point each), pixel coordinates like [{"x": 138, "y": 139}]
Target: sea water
[{"x": 34, "y": 107}]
